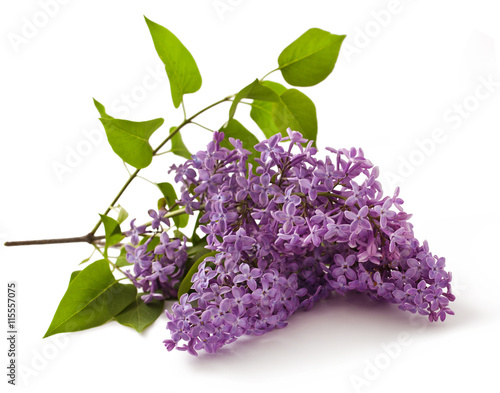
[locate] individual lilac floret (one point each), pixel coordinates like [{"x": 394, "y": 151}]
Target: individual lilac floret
[{"x": 158, "y": 218}]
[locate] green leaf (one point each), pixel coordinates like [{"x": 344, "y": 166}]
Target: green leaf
[
  {"x": 168, "y": 192},
  {"x": 236, "y": 130},
  {"x": 122, "y": 259},
  {"x": 140, "y": 315},
  {"x": 261, "y": 112},
  {"x": 153, "y": 243},
  {"x": 112, "y": 231},
  {"x": 178, "y": 234},
  {"x": 130, "y": 139},
  {"x": 101, "y": 110},
  {"x": 122, "y": 214},
  {"x": 74, "y": 274},
  {"x": 178, "y": 146},
  {"x": 310, "y": 58},
  {"x": 297, "y": 111},
  {"x": 186, "y": 281},
  {"x": 197, "y": 248},
  {"x": 162, "y": 204},
  {"x": 256, "y": 91},
  {"x": 155, "y": 240},
  {"x": 180, "y": 65},
  {"x": 93, "y": 297},
  {"x": 85, "y": 260}
]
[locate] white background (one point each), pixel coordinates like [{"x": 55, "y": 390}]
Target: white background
[{"x": 404, "y": 74}]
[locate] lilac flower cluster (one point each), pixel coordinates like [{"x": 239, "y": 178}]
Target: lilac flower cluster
[
  {"x": 287, "y": 233},
  {"x": 159, "y": 262}
]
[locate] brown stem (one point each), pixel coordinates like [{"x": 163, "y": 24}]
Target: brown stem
[{"x": 88, "y": 238}]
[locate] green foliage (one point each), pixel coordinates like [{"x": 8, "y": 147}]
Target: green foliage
[
  {"x": 196, "y": 252},
  {"x": 74, "y": 274},
  {"x": 122, "y": 259},
  {"x": 122, "y": 215},
  {"x": 310, "y": 58},
  {"x": 140, "y": 315},
  {"x": 198, "y": 248},
  {"x": 178, "y": 146},
  {"x": 261, "y": 111},
  {"x": 85, "y": 260},
  {"x": 93, "y": 297},
  {"x": 112, "y": 231},
  {"x": 185, "y": 285},
  {"x": 129, "y": 139},
  {"x": 256, "y": 91},
  {"x": 293, "y": 109},
  {"x": 102, "y": 111},
  {"x": 155, "y": 240},
  {"x": 297, "y": 111},
  {"x": 180, "y": 65}
]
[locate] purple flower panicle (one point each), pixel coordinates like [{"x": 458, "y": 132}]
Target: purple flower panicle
[{"x": 287, "y": 233}]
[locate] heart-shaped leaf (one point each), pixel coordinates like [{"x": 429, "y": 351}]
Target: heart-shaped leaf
[{"x": 129, "y": 139}]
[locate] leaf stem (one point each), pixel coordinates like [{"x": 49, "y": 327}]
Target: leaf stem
[
  {"x": 149, "y": 181},
  {"x": 202, "y": 126},
  {"x": 183, "y": 109},
  {"x": 122, "y": 190},
  {"x": 111, "y": 263},
  {"x": 189, "y": 120},
  {"x": 269, "y": 73}
]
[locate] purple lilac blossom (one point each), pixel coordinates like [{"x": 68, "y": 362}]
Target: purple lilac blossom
[
  {"x": 287, "y": 233},
  {"x": 157, "y": 271}
]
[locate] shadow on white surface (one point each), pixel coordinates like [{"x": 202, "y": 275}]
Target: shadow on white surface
[{"x": 337, "y": 331}]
